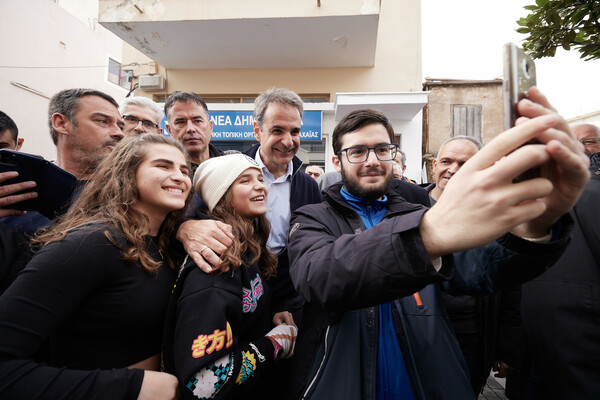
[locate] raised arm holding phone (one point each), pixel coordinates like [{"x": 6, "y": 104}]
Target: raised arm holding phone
[{"x": 370, "y": 265}]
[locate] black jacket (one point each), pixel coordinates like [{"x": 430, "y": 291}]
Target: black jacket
[
  {"x": 344, "y": 272},
  {"x": 561, "y": 309},
  {"x": 215, "y": 331},
  {"x": 212, "y": 152}
]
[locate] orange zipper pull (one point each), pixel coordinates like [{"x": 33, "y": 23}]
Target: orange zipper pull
[{"x": 418, "y": 299}]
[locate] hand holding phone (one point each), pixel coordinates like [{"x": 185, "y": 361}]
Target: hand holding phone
[
  {"x": 11, "y": 193},
  {"x": 519, "y": 76},
  {"x": 50, "y": 192}
]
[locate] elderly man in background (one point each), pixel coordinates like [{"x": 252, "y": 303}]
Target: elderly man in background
[
  {"x": 314, "y": 171},
  {"x": 141, "y": 115},
  {"x": 589, "y": 136},
  {"x": 452, "y": 155}
]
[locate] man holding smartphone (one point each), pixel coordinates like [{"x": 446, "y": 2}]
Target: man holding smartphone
[{"x": 359, "y": 257}]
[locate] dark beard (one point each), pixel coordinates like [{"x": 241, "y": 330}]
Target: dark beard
[
  {"x": 88, "y": 160},
  {"x": 353, "y": 187}
]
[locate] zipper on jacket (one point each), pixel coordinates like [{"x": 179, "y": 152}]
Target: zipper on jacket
[
  {"x": 370, "y": 317},
  {"x": 418, "y": 299},
  {"x": 320, "y": 365}
]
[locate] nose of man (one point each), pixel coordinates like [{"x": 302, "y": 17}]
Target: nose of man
[
  {"x": 372, "y": 159},
  {"x": 454, "y": 167},
  {"x": 287, "y": 141},
  {"x": 190, "y": 127},
  {"x": 117, "y": 133},
  {"x": 139, "y": 128}
]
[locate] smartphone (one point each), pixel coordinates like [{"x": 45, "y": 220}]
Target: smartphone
[
  {"x": 54, "y": 185},
  {"x": 519, "y": 76}
]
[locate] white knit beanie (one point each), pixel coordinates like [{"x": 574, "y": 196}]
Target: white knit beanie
[{"x": 215, "y": 175}]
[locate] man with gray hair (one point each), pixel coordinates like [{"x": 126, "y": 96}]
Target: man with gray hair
[
  {"x": 400, "y": 166},
  {"x": 453, "y": 153},
  {"x": 85, "y": 126},
  {"x": 141, "y": 115},
  {"x": 314, "y": 171},
  {"x": 589, "y": 136},
  {"x": 277, "y": 124},
  {"x": 487, "y": 335}
]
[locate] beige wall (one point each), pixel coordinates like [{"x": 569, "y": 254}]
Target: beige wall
[
  {"x": 438, "y": 119},
  {"x": 589, "y": 118},
  {"x": 441, "y": 99},
  {"x": 397, "y": 65}
]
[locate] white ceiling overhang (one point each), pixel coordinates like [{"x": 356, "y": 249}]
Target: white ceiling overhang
[
  {"x": 285, "y": 42},
  {"x": 397, "y": 106}
]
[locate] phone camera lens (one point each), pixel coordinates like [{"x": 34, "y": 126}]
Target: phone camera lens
[{"x": 526, "y": 69}]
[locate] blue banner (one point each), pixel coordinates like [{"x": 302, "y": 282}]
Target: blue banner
[{"x": 238, "y": 125}]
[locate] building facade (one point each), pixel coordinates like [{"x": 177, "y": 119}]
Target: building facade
[
  {"x": 460, "y": 107},
  {"x": 339, "y": 55},
  {"x": 48, "y": 46}
]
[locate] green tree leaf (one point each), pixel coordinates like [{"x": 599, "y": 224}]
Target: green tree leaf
[{"x": 570, "y": 24}]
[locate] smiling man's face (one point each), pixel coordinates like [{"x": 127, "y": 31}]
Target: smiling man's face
[
  {"x": 370, "y": 179},
  {"x": 279, "y": 136},
  {"x": 449, "y": 161}
]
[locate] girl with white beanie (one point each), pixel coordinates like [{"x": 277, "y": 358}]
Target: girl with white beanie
[{"x": 219, "y": 337}]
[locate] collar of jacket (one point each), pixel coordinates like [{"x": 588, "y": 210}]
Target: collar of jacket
[
  {"x": 396, "y": 204},
  {"x": 296, "y": 162}
]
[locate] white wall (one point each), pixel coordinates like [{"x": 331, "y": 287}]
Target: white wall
[
  {"x": 30, "y": 36},
  {"x": 411, "y": 139}
]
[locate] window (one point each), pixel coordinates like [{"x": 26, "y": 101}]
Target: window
[
  {"x": 466, "y": 120},
  {"x": 119, "y": 76},
  {"x": 314, "y": 146}
]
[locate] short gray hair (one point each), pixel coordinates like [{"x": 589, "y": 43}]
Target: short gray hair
[
  {"x": 588, "y": 125},
  {"x": 142, "y": 102},
  {"x": 275, "y": 95},
  {"x": 403, "y": 154},
  {"x": 471, "y": 139}
]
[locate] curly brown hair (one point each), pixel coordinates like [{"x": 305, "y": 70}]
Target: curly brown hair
[
  {"x": 248, "y": 236},
  {"x": 109, "y": 198}
]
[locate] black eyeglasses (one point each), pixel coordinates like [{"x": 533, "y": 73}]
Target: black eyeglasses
[
  {"x": 360, "y": 154},
  {"x": 590, "y": 141},
  {"x": 131, "y": 120}
]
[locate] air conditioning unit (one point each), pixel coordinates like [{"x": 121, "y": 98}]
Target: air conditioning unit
[{"x": 152, "y": 82}]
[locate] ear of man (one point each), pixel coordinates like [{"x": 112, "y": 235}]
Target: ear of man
[{"x": 62, "y": 124}]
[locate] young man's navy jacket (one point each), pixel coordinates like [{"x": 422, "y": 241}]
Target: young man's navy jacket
[{"x": 344, "y": 272}]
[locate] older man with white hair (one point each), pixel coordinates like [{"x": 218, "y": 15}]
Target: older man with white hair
[
  {"x": 589, "y": 136},
  {"x": 141, "y": 115}
]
